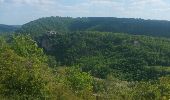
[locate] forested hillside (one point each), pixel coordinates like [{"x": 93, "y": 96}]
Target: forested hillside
[
  {"x": 129, "y": 57},
  {"x": 84, "y": 66},
  {"x": 93, "y": 58},
  {"x": 8, "y": 28},
  {"x": 102, "y": 24}
]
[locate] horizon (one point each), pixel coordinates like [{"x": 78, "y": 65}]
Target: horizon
[
  {"x": 84, "y": 17},
  {"x": 19, "y": 12}
]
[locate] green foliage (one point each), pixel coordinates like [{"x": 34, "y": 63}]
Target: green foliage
[
  {"x": 52, "y": 62},
  {"x": 28, "y": 77},
  {"x": 79, "y": 81},
  {"x": 96, "y": 66},
  {"x": 112, "y": 66},
  {"x": 113, "y": 89},
  {"x": 152, "y": 90},
  {"x": 43, "y": 25},
  {"x": 26, "y": 47},
  {"x": 164, "y": 87},
  {"x": 8, "y": 28},
  {"x": 146, "y": 91},
  {"x": 21, "y": 77},
  {"x": 125, "y": 56},
  {"x": 102, "y": 24}
]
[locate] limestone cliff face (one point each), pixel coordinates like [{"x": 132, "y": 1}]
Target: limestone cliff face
[
  {"x": 136, "y": 43},
  {"x": 45, "y": 43}
]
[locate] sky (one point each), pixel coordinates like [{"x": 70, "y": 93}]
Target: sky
[{"x": 18, "y": 12}]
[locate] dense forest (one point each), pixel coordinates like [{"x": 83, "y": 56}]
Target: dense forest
[
  {"x": 102, "y": 24},
  {"x": 63, "y": 58},
  {"x": 102, "y": 53},
  {"x": 8, "y": 28}
]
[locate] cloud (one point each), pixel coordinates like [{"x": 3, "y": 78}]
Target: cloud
[
  {"x": 151, "y": 9},
  {"x": 1, "y": 1},
  {"x": 152, "y": 4},
  {"x": 36, "y": 5},
  {"x": 94, "y": 7},
  {"x": 32, "y": 9},
  {"x": 29, "y": 2}
]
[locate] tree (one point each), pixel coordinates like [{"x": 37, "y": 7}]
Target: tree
[
  {"x": 79, "y": 82},
  {"x": 28, "y": 77},
  {"x": 26, "y": 47}
]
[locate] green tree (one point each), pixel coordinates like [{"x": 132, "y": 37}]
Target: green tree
[
  {"x": 26, "y": 47},
  {"x": 79, "y": 82},
  {"x": 28, "y": 77}
]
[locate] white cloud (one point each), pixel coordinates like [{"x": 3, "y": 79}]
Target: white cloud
[
  {"x": 30, "y": 1},
  {"x": 149, "y": 9},
  {"x": 152, "y": 4},
  {"x": 1, "y": 1},
  {"x": 33, "y": 3}
]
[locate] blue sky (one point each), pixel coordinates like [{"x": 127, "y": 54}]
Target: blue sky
[{"x": 22, "y": 11}]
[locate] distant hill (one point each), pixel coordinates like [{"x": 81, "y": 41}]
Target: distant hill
[
  {"x": 8, "y": 28},
  {"x": 102, "y": 24}
]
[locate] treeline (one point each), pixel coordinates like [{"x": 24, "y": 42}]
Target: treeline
[{"x": 102, "y": 24}]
